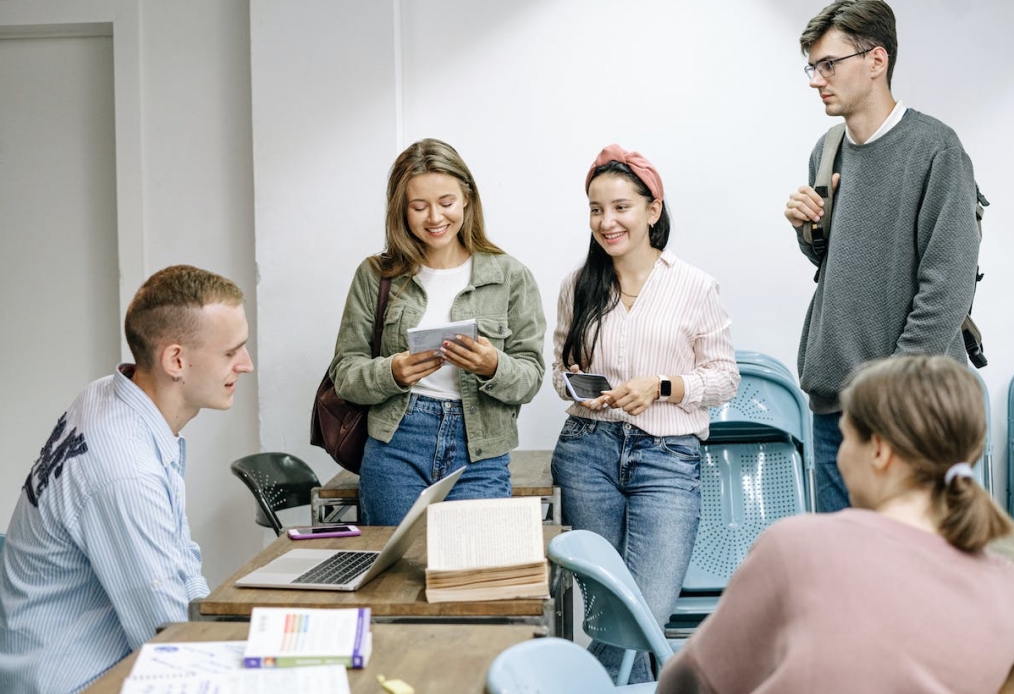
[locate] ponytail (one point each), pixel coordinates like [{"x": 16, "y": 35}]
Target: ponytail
[
  {"x": 931, "y": 410},
  {"x": 970, "y": 517}
]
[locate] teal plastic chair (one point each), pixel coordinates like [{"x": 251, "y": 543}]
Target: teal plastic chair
[
  {"x": 553, "y": 666},
  {"x": 1010, "y": 448},
  {"x": 615, "y": 612},
  {"x": 277, "y": 481},
  {"x": 983, "y": 470},
  {"x": 756, "y": 468}
]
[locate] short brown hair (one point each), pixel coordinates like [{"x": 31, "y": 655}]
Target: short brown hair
[
  {"x": 405, "y": 253},
  {"x": 931, "y": 410},
  {"x": 866, "y": 23},
  {"x": 166, "y": 306}
]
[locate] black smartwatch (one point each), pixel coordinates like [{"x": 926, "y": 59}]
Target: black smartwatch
[{"x": 664, "y": 387}]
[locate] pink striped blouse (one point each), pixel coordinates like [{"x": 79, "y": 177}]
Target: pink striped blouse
[{"x": 677, "y": 327}]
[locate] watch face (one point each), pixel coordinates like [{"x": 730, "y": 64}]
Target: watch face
[{"x": 665, "y": 388}]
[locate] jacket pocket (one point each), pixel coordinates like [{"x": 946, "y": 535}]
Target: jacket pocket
[{"x": 495, "y": 329}]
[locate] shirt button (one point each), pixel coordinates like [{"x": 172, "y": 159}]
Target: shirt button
[
  {"x": 499, "y": 328},
  {"x": 478, "y": 451},
  {"x": 473, "y": 409}
]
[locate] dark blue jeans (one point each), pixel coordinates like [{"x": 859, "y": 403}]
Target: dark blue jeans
[
  {"x": 831, "y": 492},
  {"x": 428, "y": 445}
]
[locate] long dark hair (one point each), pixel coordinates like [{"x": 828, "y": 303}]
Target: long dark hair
[{"x": 597, "y": 288}]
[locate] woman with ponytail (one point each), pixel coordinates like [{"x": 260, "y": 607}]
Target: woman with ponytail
[{"x": 898, "y": 593}]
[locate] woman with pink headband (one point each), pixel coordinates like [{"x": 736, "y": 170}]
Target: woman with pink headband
[
  {"x": 896, "y": 594},
  {"x": 628, "y": 461}
]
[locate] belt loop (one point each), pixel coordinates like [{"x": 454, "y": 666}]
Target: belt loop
[{"x": 412, "y": 399}]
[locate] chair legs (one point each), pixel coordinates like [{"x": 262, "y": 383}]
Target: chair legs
[{"x": 623, "y": 676}]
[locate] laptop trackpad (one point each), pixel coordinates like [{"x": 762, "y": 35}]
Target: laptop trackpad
[{"x": 299, "y": 561}]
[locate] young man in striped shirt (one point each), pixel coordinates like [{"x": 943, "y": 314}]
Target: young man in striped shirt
[{"x": 98, "y": 551}]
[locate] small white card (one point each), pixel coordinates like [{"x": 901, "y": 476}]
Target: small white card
[{"x": 433, "y": 337}]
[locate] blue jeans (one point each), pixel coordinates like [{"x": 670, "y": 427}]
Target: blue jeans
[
  {"x": 643, "y": 494},
  {"x": 831, "y": 492},
  {"x": 428, "y": 445}
]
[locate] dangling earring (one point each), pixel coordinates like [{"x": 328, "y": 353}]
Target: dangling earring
[{"x": 177, "y": 379}]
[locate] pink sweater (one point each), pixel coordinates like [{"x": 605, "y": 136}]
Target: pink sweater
[{"x": 854, "y": 602}]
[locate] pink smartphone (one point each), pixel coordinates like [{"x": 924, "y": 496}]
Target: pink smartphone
[{"x": 323, "y": 531}]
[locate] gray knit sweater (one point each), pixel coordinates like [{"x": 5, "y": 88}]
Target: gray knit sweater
[{"x": 899, "y": 273}]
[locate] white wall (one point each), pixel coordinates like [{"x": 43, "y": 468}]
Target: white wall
[
  {"x": 528, "y": 92},
  {"x": 184, "y": 194}
]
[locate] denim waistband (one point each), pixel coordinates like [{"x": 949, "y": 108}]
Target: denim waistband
[
  {"x": 433, "y": 405},
  {"x": 627, "y": 429}
]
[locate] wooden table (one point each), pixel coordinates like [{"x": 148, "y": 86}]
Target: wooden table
[
  {"x": 396, "y": 595},
  {"x": 437, "y": 658},
  {"x": 530, "y": 476}
]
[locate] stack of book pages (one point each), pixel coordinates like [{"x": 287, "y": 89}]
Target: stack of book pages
[{"x": 486, "y": 549}]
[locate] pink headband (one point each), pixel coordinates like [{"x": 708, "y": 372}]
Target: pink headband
[{"x": 641, "y": 167}]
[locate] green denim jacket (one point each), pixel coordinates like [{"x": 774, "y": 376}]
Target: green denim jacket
[{"x": 502, "y": 296}]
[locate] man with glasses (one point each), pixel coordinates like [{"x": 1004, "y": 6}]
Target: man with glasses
[{"x": 897, "y": 275}]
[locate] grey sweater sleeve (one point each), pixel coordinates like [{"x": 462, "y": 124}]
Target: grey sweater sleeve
[{"x": 948, "y": 250}]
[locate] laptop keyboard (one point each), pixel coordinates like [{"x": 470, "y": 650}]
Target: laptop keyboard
[{"x": 339, "y": 569}]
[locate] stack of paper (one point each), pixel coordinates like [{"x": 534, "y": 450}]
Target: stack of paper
[
  {"x": 216, "y": 667},
  {"x": 485, "y": 549},
  {"x": 290, "y": 637}
]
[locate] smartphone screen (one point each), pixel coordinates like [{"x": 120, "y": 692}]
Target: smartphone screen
[
  {"x": 321, "y": 529},
  {"x": 585, "y": 386}
]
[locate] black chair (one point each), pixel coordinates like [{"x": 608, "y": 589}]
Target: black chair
[{"x": 278, "y": 481}]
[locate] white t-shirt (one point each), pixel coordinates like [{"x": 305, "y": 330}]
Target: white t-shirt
[{"x": 442, "y": 286}]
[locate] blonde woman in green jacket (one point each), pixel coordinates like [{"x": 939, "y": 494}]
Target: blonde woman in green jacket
[{"x": 434, "y": 412}]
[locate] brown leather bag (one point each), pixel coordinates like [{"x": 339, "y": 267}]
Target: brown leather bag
[{"x": 339, "y": 426}]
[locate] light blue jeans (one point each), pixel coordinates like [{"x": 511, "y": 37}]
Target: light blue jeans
[
  {"x": 831, "y": 492},
  {"x": 643, "y": 494},
  {"x": 428, "y": 445}
]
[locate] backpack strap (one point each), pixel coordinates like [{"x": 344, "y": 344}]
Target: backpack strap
[{"x": 817, "y": 233}]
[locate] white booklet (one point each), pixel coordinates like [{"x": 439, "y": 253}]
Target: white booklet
[
  {"x": 216, "y": 667},
  {"x": 282, "y": 637},
  {"x": 433, "y": 337}
]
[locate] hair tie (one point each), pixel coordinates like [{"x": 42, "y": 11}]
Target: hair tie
[
  {"x": 637, "y": 162},
  {"x": 958, "y": 470}
]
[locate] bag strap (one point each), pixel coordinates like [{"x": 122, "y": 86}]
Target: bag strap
[
  {"x": 378, "y": 317},
  {"x": 817, "y": 233}
]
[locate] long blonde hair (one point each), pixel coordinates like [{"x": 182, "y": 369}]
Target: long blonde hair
[
  {"x": 931, "y": 410},
  {"x": 405, "y": 253}
]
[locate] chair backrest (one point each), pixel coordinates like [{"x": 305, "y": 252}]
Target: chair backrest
[
  {"x": 615, "y": 612},
  {"x": 278, "y": 481},
  {"x": 547, "y": 666},
  {"x": 984, "y": 468},
  {"x": 756, "y": 468},
  {"x": 1010, "y": 448}
]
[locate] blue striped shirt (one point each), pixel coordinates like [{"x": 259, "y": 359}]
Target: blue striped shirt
[{"x": 98, "y": 551}]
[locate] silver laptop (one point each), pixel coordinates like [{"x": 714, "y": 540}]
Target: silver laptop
[{"x": 346, "y": 569}]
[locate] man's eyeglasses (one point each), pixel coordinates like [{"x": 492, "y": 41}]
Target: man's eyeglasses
[{"x": 826, "y": 67}]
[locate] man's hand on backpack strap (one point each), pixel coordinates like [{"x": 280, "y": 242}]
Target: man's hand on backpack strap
[{"x": 805, "y": 205}]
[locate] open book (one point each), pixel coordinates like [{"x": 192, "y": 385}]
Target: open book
[{"x": 485, "y": 549}]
